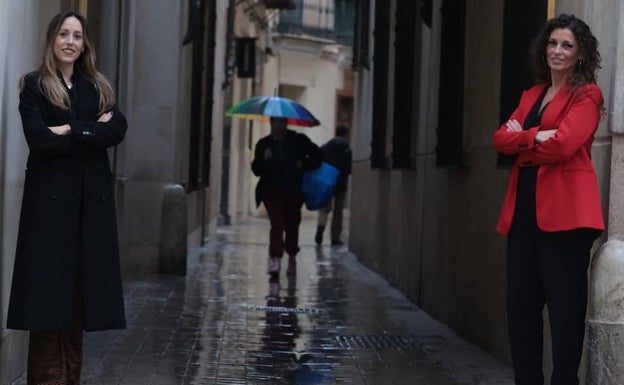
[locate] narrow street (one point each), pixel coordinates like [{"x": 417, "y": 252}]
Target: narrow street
[{"x": 226, "y": 323}]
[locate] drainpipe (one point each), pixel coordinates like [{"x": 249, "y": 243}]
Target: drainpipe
[{"x": 605, "y": 326}]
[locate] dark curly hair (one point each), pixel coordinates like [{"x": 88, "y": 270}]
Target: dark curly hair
[{"x": 589, "y": 58}]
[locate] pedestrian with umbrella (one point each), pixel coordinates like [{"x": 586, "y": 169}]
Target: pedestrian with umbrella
[{"x": 280, "y": 159}]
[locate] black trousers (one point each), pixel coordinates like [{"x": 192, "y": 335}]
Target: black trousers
[
  {"x": 55, "y": 357},
  {"x": 547, "y": 268}
]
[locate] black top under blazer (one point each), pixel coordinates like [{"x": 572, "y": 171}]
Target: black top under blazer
[{"x": 67, "y": 250}]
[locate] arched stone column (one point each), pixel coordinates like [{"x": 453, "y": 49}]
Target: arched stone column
[{"x": 605, "y": 349}]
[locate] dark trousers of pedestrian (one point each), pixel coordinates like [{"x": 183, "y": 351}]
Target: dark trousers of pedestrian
[
  {"x": 336, "y": 208},
  {"x": 547, "y": 268},
  {"x": 284, "y": 210}
]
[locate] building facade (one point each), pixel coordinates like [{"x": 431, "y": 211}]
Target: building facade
[
  {"x": 167, "y": 62},
  {"x": 435, "y": 79},
  {"x": 175, "y": 69}
]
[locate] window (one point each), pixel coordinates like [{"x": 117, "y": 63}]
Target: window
[
  {"x": 451, "y": 97},
  {"x": 202, "y": 35},
  {"x": 406, "y": 80},
  {"x": 360, "y": 36},
  {"x": 380, "y": 84},
  {"x": 344, "y": 21}
]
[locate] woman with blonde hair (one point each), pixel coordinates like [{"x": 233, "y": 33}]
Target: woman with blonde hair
[{"x": 66, "y": 277}]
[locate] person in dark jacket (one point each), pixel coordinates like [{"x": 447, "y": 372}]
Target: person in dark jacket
[
  {"x": 280, "y": 159},
  {"x": 66, "y": 275},
  {"x": 337, "y": 153}
]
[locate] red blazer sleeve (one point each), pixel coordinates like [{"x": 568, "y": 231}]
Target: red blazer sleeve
[
  {"x": 576, "y": 128},
  {"x": 567, "y": 192}
]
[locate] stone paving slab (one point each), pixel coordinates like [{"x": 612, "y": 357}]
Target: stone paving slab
[{"x": 226, "y": 322}]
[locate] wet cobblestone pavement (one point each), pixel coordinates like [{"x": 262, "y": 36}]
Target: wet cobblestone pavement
[{"x": 227, "y": 323}]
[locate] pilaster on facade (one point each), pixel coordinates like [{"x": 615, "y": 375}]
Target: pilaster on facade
[{"x": 605, "y": 353}]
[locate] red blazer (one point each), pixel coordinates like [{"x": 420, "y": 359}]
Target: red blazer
[{"x": 567, "y": 194}]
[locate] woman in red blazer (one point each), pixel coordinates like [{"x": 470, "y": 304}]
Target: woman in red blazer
[{"x": 552, "y": 212}]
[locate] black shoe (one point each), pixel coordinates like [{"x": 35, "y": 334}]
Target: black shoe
[
  {"x": 336, "y": 242},
  {"x": 318, "y": 238}
]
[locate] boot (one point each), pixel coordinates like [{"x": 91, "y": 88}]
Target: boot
[{"x": 318, "y": 238}]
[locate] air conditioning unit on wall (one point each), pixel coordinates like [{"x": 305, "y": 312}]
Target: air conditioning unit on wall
[{"x": 279, "y": 4}]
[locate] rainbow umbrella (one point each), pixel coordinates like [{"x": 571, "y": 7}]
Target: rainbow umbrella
[{"x": 264, "y": 107}]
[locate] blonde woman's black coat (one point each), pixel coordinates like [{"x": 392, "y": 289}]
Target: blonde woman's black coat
[{"x": 67, "y": 251}]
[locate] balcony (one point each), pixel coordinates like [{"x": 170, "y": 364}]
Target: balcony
[{"x": 319, "y": 19}]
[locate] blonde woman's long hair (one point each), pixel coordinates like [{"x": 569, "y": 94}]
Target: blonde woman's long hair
[{"x": 50, "y": 82}]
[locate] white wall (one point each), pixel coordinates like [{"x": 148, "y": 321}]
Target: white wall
[
  {"x": 154, "y": 90},
  {"x": 22, "y": 29},
  {"x": 154, "y": 78},
  {"x": 321, "y": 77}
]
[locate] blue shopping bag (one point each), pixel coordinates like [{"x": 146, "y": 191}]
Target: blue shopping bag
[{"x": 318, "y": 186}]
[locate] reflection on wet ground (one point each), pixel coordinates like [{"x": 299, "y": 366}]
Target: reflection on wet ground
[{"x": 226, "y": 322}]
